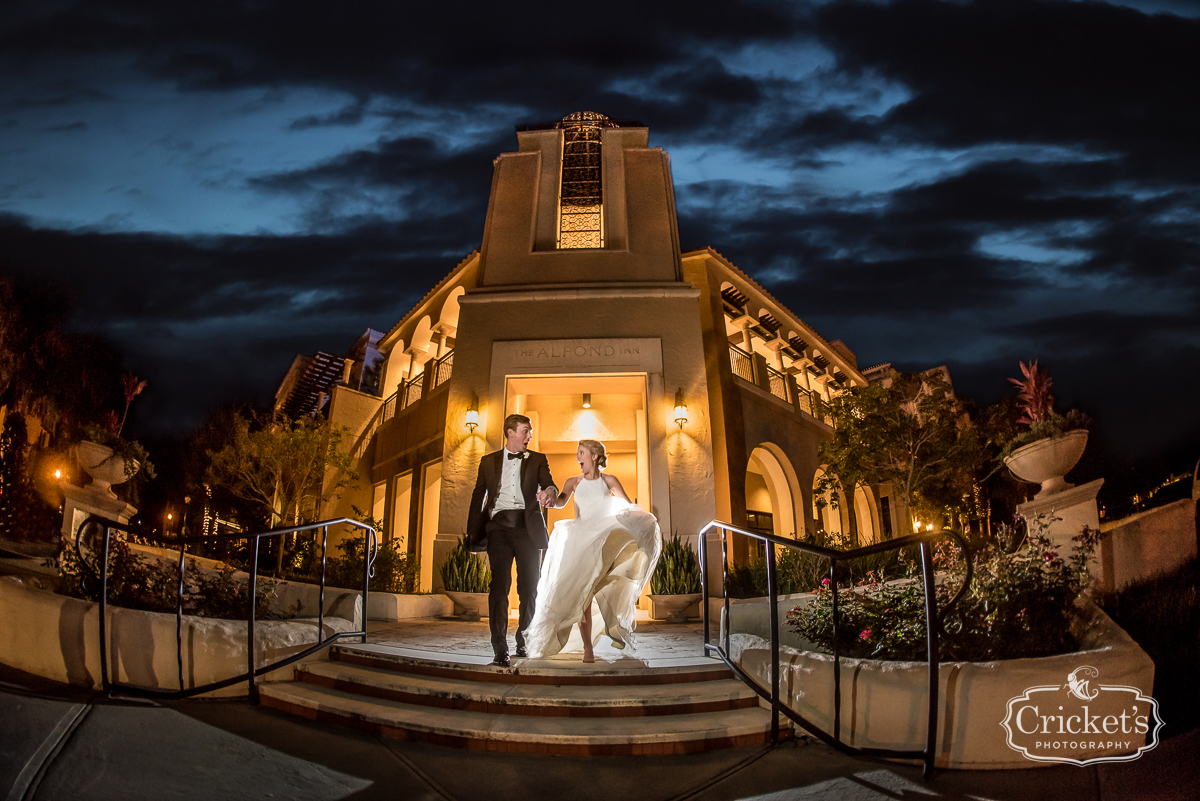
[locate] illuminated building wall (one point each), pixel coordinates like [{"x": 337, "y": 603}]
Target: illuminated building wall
[{"x": 538, "y": 324}]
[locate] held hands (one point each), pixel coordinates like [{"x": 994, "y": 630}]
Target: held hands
[{"x": 547, "y": 496}]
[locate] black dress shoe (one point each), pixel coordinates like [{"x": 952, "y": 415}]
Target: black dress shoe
[
  {"x": 501, "y": 661},
  {"x": 522, "y": 653}
]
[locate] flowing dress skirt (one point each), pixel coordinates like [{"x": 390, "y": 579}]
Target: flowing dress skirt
[{"x": 605, "y": 560}]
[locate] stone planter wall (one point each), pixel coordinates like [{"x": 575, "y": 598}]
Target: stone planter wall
[
  {"x": 884, "y": 703},
  {"x": 57, "y": 638}
]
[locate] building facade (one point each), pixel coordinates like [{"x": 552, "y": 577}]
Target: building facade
[{"x": 580, "y": 311}]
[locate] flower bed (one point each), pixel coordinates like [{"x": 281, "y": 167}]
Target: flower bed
[{"x": 884, "y": 703}]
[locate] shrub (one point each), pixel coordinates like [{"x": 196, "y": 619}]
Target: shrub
[
  {"x": 1019, "y": 604},
  {"x": 799, "y": 571},
  {"x": 135, "y": 582},
  {"x": 464, "y": 571},
  {"x": 677, "y": 571},
  {"x": 395, "y": 571}
]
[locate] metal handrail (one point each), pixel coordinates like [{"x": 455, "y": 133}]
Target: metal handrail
[
  {"x": 370, "y": 551},
  {"x": 933, "y": 624}
]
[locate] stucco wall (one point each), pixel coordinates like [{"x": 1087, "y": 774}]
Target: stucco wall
[{"x": 1145, "y": 545}]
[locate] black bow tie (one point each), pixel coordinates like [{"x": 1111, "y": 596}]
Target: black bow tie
[{"x": 515, "y": 455}]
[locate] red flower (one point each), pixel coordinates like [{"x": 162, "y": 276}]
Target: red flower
[{"x": 866, "y": 633}]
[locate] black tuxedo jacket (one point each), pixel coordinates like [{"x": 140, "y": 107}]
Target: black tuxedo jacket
[{"x": 535, "y": 475}]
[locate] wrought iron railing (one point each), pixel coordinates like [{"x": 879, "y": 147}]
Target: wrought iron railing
[
  {"x": 741, "y": 363},
  {"x": 389, "y": 407},
  {"x": 100, "y": 577},
  {"x": 443, "y": 369},
  {"x": 778, "y": 383},
  {"x": 803, "y": 400},
  {"x": 933, "y": 625},
  {"x": 411, "y": 390}
]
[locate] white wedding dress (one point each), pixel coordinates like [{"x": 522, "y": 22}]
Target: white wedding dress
[{"x": 603, "y": 557}]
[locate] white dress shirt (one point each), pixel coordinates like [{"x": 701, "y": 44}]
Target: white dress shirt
[{"x": 509, "y": 495}]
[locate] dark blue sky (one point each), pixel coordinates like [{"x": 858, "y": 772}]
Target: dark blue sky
[{"x": 226, "y": 184}]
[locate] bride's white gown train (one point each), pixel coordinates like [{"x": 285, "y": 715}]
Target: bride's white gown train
[{"x": 603, "y": 557}]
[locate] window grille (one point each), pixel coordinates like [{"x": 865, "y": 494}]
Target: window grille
[{"x": 581, "y": 213}]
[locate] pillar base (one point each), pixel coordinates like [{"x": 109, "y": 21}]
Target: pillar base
[
  {"x": 79, "y": 503},
  {"x": 1076, "y": 506}
]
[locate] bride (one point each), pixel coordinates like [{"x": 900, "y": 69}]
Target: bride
[{"x": 602, "y": 558}]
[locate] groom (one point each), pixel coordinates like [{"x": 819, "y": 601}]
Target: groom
[{"x": 506, "y": 520}]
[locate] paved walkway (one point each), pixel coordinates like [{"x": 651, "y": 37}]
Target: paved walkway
[{"x": 59, "y": 743}]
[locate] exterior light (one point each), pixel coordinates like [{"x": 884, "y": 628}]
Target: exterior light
[
  {"x": 57, "y": 474},
  {"x": 681, "y": 414},
  {"x": 587, "y": 400},
  {"x": 473, "y": 413}
]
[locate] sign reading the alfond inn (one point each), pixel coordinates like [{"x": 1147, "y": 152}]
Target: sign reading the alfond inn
[
  {"x": 1080, "y": 724},
  {"x": 584, "y": 355}
]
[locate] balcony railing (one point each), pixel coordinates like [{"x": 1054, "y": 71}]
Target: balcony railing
[
  {"x": 411, "y": 390},
  {"x": 443, "y": 369},
  {"x": 778, "y": 383},
  {"x": 389, "y": 407},
  {"x": 742, "y": 363}
]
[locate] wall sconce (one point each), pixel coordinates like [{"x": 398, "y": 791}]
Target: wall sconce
[
  {"x": 681, "y": 415},
  {"x": 473, "y": 413},
  {"x": 587, "y": 400}
]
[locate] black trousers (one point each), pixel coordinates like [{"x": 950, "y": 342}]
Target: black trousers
[{"x": 504, "y": 546}]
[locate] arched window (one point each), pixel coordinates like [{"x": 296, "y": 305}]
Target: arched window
[{"x": 580, "y": 206}]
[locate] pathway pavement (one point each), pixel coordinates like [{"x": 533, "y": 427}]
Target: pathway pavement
[{"x": 57, "y": 742}]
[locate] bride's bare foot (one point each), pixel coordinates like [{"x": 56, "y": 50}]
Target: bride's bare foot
[{"x": 588, "y": 656}]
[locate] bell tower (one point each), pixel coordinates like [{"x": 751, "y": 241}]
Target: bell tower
[{"x": 583, "y": 200}]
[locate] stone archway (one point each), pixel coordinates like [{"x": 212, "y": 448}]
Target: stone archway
[{"x": 772, "y": 488}]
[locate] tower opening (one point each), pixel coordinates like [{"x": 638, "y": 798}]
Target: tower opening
[{"x": 580, "y": 198}]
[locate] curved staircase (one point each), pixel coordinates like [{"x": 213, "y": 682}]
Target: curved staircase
[{"x": 670, "y": 706}]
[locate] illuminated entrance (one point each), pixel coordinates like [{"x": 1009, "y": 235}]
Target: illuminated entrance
[{"x": 604, "y": 406}]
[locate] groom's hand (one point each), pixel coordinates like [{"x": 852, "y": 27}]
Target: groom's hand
[{"x": 547, "y": 496}]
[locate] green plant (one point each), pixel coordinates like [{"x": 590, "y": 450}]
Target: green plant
[
  {"x": 1036, "y": 404},
  {"x": 1020, "y": 604},
  {"x": 135, "y": 582},
  {"x": 395, "y": 571},
  {"x": 464, "y": 571},
  {"x": 678, "y": 571},
  {"x": 109, "y": 433},
  {"x": 799, "y": 571}
]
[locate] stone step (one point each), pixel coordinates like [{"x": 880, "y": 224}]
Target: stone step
[
  {"x": 569, "y": 700},
  {"x": 662, "y": 734},
  {"x": 535, "y": 671}
]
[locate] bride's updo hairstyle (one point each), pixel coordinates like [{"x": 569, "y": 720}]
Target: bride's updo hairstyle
[{"x": 596, "y": 447}]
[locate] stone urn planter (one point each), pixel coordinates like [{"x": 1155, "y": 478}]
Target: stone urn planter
[
  {"x": 105, "y": 467},
  {"x": 1048, "y": 461},
  {"x": 473, "y": 604},
  {"x": 672, "y": 608}
]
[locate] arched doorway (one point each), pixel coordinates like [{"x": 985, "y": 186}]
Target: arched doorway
[
  {"x": 865, "y": 515},
  {"x": 771, "y": 492},
  {"x": 828, "y": 508}
]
